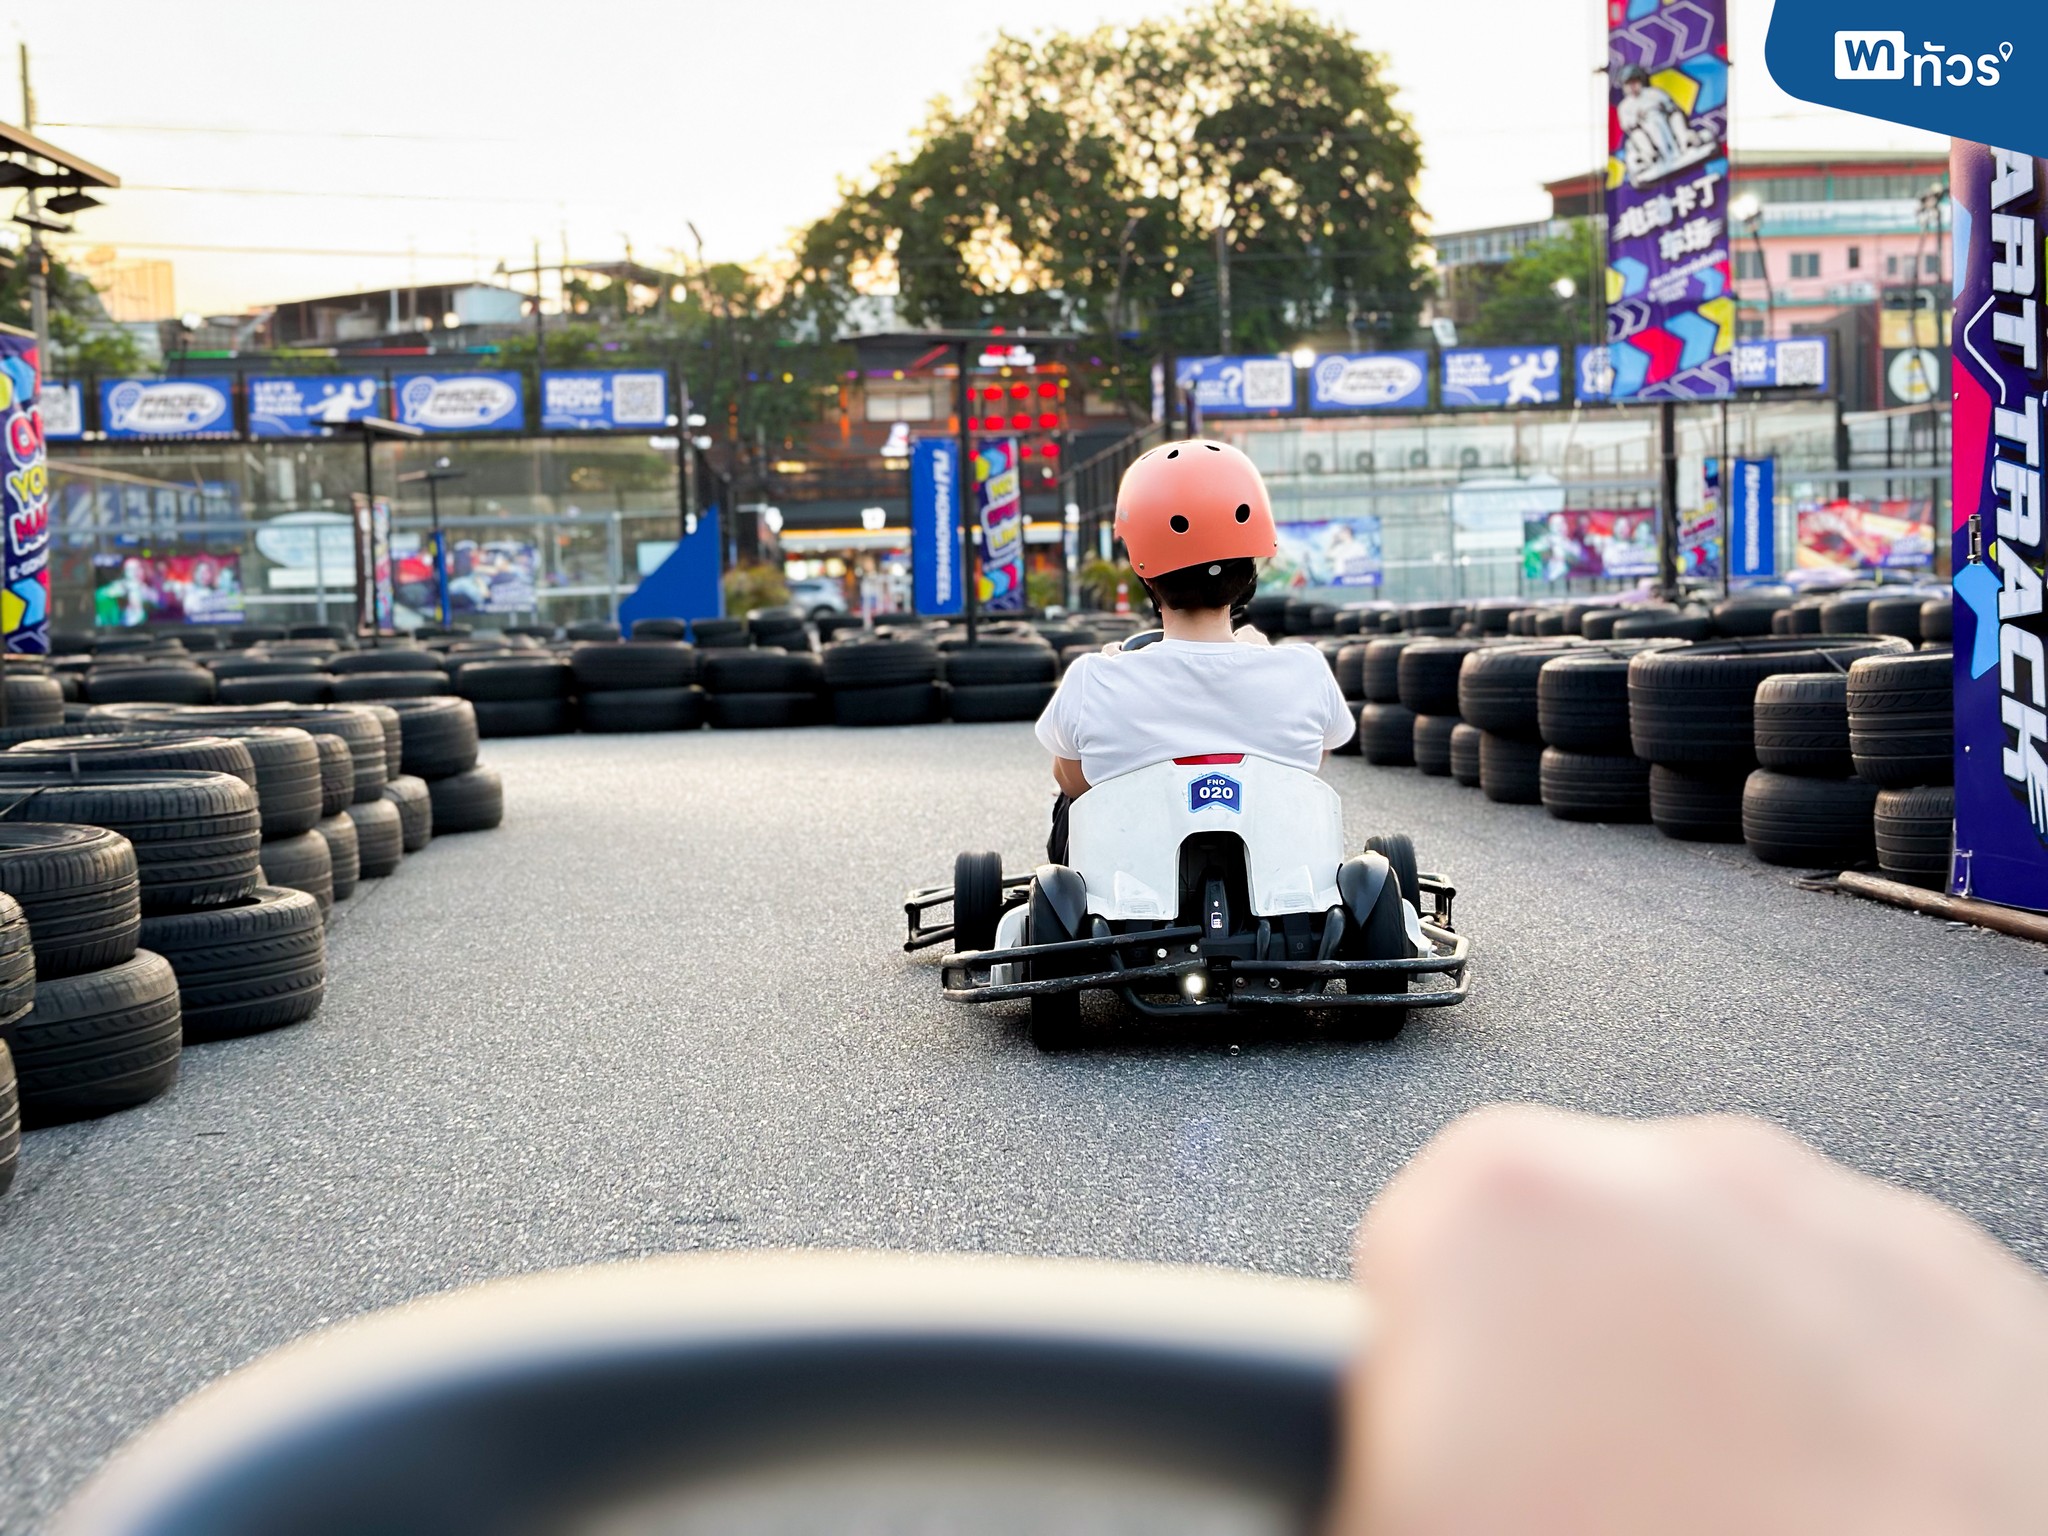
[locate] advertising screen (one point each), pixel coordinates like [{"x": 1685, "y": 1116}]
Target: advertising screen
[
  {"x": 588, "y": 400},
  {"x": 166, "y": 589},
  {"x": 1235, "y": 386},
  {"x": 1502, "y": 376},
  {"x": 167, "y": 407},
  {"x": 461, "y": 402},
  {"x": 300, "y": 407},
  {"x": 1369, "y": 381},
  {"x": 1864, "y": 535},
  {"x": 1567, "y": 546},
  {"x": 1339, "y": 552}
]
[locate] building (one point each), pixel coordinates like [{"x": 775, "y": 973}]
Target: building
[{"x": 359, "y": 318}]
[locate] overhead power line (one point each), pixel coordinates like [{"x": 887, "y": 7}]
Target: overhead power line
[{"x": 279, "y": 133}]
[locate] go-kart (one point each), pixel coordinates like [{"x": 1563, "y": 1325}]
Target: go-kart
[{"x": 1202, "y": 888}]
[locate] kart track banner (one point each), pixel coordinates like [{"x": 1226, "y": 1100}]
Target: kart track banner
[
  {"x": 999, "y": 509},
  {"x": 584, "y": 400},
  {"x": 487, "y": 576},
  {"x": 300, "y": 407},
  {"x": 1237, "y": 386},
  {"x": 166, "y": 589},
  {"x": 63, "y": 412},
  {"x": 1753, "y": 518},
  {"x": 1502, "y": 376},
  {"x": 1369, "y": 381},
  {"x": 25, "y": 597},
  {"x": 1699, "y": 527},
  {"x": 1792, "y": 362},
  {"x": 935, "y": 526},
  {"x": 1999, "y": 546},
  {"x": 1670, "y": 311},
  {"x": 1865, "y": 535},
  {"x": 461, "y": 402},
  {"x": 168, "y": 407},
  {"x": 376, "y": 587},
  {"x": 1339, "y": 552},
  {"x": 1567, "y": 546}
]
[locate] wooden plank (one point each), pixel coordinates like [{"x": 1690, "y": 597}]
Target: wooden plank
[{"x": 1960, "y": 909}]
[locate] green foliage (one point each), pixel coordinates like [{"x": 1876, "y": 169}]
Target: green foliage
[
  {"x": 748, "y": 587},
  {"x": 82, "y": 339},
  {"x": 1098, "y": 580},
  {"x": 1081, "y": 182},
  {"x": 1044, "y": 589},
  {"x": 1521, "y": 304}
]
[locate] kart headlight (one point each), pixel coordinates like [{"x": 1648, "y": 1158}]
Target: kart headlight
[{"x": 1194, "y": 983}]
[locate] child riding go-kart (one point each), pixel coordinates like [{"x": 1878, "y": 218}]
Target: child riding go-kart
[{"x": 1197, "y": 865}]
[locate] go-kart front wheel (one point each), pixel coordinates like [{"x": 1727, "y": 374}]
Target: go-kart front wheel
[
  {"x": 977, "y": 900},
  {"x": 1399, "y": 850},
  {"x": 1055, "y": 1016}
]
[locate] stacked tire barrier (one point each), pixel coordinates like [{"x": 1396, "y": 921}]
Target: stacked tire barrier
[
  {"x": 1803, "y": 805},
  {"x": 1901, "y": 725}
]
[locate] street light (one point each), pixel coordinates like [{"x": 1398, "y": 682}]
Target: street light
[
  {"x": 1304, "y": 357},
  {"x": 1747, "y": 209},
  {"x": 433, "y": 478},
  {"x": 1565, "y": 289}
]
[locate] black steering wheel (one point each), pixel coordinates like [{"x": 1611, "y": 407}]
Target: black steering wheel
[
  {"x": 793, "y": 1393},
  {"x": 1143, "y": 638}
]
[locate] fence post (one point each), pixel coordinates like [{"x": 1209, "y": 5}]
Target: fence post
[{"x": 614, "y": 554}]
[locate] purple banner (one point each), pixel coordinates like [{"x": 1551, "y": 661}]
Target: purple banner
[
  {"x": 1671, "y": 310},
  {"x": 2001, "y": 633},
  {"x": 25, "y": 591}
]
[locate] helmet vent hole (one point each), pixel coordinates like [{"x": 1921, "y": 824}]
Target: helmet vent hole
[
  {"x": 1178, "y": 523},
  {"x": 1244, "y": 512},
  {"x": 1173, "y": 453},
  {"x": 1212, "y": 447}
]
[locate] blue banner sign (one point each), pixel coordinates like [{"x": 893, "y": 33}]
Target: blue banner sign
[
  {"x": 1237, "y": 386},
  {"x": 168, "y": 407},
  {"x": 24, "y": 502},
  {"x": 935, "y": 525},
  {"x": 1369, "y": 381},
  {"x": 589, "y": 400},
  {"x": 63, "y": 412},
  {"x": 2000, "y": 542},
  {"x": 461, "y": 402},
  {"x": 1753, "y": 518},
  {"x": 1502, "y": 376},
  {"x": 1786, "y": 362},
  {"x": 300, "y": 407}
]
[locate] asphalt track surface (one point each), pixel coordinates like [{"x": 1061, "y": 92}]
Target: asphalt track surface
[{"x": 665, "y": 1008}]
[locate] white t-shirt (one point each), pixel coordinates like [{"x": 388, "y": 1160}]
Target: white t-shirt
[{"x": 1120, "y": 712}]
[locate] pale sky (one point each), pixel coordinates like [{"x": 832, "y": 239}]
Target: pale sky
[{"x": 367, "y": 143}]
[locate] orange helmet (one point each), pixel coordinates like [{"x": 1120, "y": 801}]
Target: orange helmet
[{"x": 1191, "y": 503}]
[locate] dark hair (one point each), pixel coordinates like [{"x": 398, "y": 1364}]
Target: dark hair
[{"x": 1192, "y": 588}]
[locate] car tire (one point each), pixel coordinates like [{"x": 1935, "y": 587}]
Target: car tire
[
  {"x": 296, "y": 688},
  {"x": 10, "y": 1120},
  {"x": 762, "y": 711},
  {"x": 99, "y": 1041},
  {"x": 302, "y": 863},
  {"x": 33, "y": 700},
  {"x": 1379, "y": 670},
  {"x": 1897, "y": 616},
  {"x": 1915, "y": 833},
  {"x": 1001, "y": 663},
  {"x": 1937, "y": 621},
  {"x": 1055, "y": 1016},
  {"x": 415, "y": 811},
  {"x": 1582, "y": 786},
  {"x": 868, "y": 664},
  {"x": 254, "y": 965},
  {"x": 148, "y": 684},
  {"x": 981, "y": 702},
  {"x": 386, "y": 658},
  {"x": 380, "y": 837},
  {"x": 1808, "y": 822},
  {"x": 1901, "y": 713},
  {"x": 1433, "y": 744},
  {"x": 195, "y": 834},
  {"x": 337, "y": 776},
  {"x": 522, "y": 717},
  {"x": 1386, "y": 735},
  {"x": 641, "y": 709},
  {"x": 79, "y": 889},
  {"x": 514, "y": 680},
  {"x": 760, "y": 672},
  {"x": 633, "y": 666},
  {"x": 1802, "y": 724},
  {"x": 1697, "y": 807},
  {"x": 1428, "y": 673},
  {"x": 438, "y": 736},
  {"x": 1497, "y": 686},
  {"x": 287, "y": 765},
  {"x": 17, "y": 965},
  {"x": 1695, "y": 707},
  {"x": 344, "y": 853},
  {"x": 893, "y": 704},
  {"x": 471, "y": 801},
  {"x": 1465, "y": 754},
  {"x": 352, "y": 687},
  {"x": 1510, "y": 769},
  {"x": 1582, "y": 703},
  {"x": 90, "y": 754},
  {"x": 1663, "y": 626}
]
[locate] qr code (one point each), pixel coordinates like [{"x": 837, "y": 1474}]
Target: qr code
[
  {"x": 1802, "y": 363},
  {"x": 637, "y": 399}
]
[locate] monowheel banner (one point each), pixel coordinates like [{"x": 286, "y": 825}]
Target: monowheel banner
[{"x": 2001, "y": 635}]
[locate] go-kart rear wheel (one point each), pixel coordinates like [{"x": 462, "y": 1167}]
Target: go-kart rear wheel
[
  {"x": 1399, "y": 851},
  {"x": 1055, "y": 1016},
  {"x": 977, "y": 900}
]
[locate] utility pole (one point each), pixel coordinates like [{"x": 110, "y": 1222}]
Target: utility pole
[
  {"x": 1223, "y": 285},
  {"x": 38, "y": 258}
]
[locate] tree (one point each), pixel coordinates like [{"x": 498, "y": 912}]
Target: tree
[
  {"x": 1084, "y": 178},
  {"x": 1522, "y": 303},
  {"x": 83, "y": 340}
]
